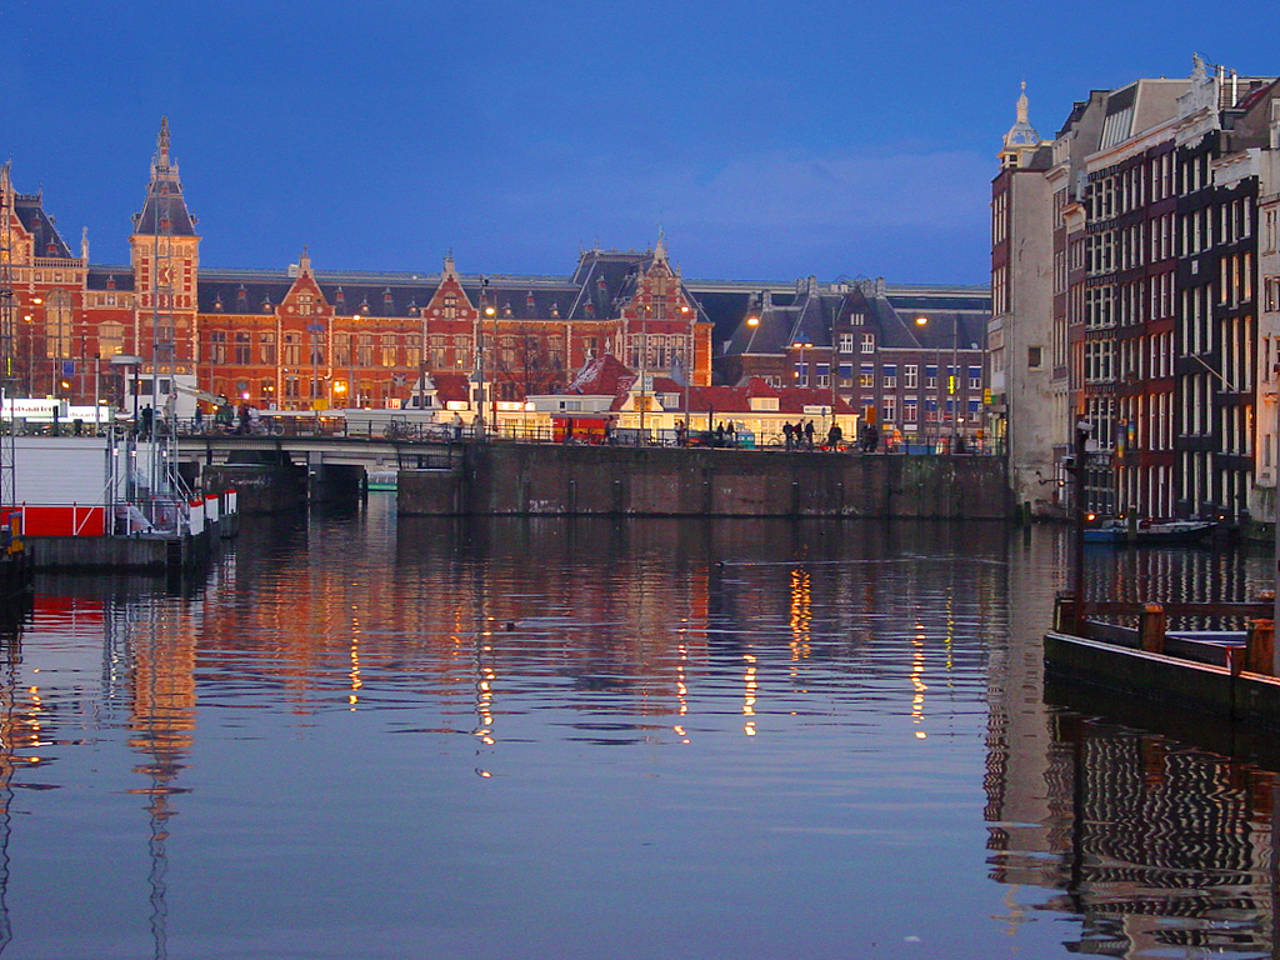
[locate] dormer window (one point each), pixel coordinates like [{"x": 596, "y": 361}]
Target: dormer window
[
  {"x": 242, "y": 296},
  {"x": 555, "y": 309},
  {"x": 506, "y": 309},
  {"x": 339, "y": 296},
  {"x": 266, "y": 304},
  {"x": 364, "y": 306},
  {"x": 386, "y": 296},
  {"x": 217, "y": 303},
  {"x": 529, "y": 302},
  {"x": 591, "y": 309},
  {"x": 111, "y": 281}
]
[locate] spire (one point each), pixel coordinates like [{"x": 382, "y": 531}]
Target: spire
[
  {"x": 162, "y": 144},
  {"x": 165, "y": 210},
  {"x": 84, "y": 244},
  {"x": 1022, "y": 134},
  {"x": 660, "y": 251},
  {"x": 304, "y": 262}
]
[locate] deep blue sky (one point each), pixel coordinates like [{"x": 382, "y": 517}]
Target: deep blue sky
[{"x": 771, "y": 140}]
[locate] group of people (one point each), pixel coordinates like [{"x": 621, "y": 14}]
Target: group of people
[{"x": 799, "y": 436}]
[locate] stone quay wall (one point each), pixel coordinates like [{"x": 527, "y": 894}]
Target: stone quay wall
[{"x": 542, "y": 479}]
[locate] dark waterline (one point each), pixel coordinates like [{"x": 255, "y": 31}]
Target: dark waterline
[{"x": 553, "y": 738}]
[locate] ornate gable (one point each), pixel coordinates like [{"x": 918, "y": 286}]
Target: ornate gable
[
  {"x": 305, "y": 298},
  {"x": 450, "y": 301}
]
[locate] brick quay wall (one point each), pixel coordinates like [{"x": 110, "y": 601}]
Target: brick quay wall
[{"x": 541, "y": 479}]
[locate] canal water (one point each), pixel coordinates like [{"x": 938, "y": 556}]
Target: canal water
[{"x": 367, "y": 737}]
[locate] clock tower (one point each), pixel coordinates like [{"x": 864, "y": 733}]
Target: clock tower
[{"x": 165, "y": 254}]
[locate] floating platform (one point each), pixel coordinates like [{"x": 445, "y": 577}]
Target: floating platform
[{"x": 1226, "y": 674}]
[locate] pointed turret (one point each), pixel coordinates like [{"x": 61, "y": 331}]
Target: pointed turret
[
  {"x": 165, "y": 211},
  {"x": 1022, "y": 137}
]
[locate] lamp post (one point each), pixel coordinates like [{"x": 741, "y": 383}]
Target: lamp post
[
  {"x": 353, "y": 394},
  {"x": 798, "y": 345},
  {"x": 644, "y": 368},
  {"x": 315, "y": 329},
  {"x": 953, "y": 378},
  {"x": 953, "y": 381},
  {"x": 490, "y": 312},
  {"x": 690, "y": 315}
]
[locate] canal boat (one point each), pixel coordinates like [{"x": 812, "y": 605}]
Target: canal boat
[
  {"x": 383, "y": 480},
  {"x": 1118, "y": 530}
]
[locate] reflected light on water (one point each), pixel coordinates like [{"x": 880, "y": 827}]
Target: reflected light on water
[{"x": 615, "y": 645}]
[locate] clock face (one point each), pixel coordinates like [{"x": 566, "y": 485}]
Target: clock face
[{"x": 166, "y": 274}]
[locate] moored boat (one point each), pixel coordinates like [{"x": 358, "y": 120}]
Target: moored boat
[{"x": 1149, "y": 531}]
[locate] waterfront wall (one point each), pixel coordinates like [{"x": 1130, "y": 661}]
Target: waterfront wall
[
  {"x": 260, "y": 488},
  {"x": 512, "y": 478},
  {"x": 120, "y": 553}
]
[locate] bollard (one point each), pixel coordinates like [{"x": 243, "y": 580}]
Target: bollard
[
  {"x": 1151, "y": 628},
  {"x": 1259, "y": 644}
]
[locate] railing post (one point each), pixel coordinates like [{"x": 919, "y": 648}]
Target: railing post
[
  {"x": 1260, "y": 646},
  {"x": 1152, "y": 628}
]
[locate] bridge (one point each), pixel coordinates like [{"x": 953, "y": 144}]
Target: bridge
[{"x": 504, "y": 477}]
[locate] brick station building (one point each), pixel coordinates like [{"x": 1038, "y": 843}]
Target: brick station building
[{"x": 300, "y": 337}]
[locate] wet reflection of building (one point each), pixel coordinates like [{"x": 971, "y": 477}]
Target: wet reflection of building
[
  {"x": 1167, "y": 848},
  {"x": 1160, "y": 848},
  {"x": 1019, "y": 809},
  {"x": 1174, "y": 573}
]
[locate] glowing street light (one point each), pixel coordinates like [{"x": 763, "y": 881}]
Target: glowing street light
[{"x": 801, "y": 345}]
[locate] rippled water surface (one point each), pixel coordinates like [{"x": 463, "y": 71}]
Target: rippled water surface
[{"x": 363, "y": 737}]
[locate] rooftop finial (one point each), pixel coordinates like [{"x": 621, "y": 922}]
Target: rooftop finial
[
  {"x": 162, "y": 142},
  {"x": 1023, "y": 112}
]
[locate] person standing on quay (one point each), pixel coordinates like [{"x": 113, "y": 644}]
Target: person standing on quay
[
  {"x": 808, "y": 434},
  {"x": 786, "y": 433}
]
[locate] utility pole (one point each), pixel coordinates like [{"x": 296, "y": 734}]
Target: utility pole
[{"x": 8, "y": 355}]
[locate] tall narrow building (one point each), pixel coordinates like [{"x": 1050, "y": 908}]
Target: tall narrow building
[
  {"x": 165, "y": 257},
  {"x": 1019, "y": 331}
]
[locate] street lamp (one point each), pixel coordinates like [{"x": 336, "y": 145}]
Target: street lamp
[
  {"x": 688, "y": 373},
  {"x": 315, "y": 329},
  {"x": 644, "y": 368},
  {"x": 798, "y": 345},
  {"x": 489, "y": 311},
  {"x": 354, "y": 397},
  {"x": 953, "y": 377}
]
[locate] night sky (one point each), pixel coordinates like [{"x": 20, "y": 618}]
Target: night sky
[{"x": 768, "y": 140}]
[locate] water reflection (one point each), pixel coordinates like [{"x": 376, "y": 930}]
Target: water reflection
[{"x": 757, "y": 737}]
